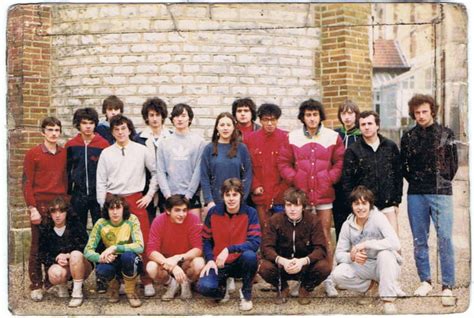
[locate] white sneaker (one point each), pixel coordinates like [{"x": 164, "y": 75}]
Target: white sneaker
[
  {"x": 389, "y": 308},
  {"x": 173, "y": 288},
  {"x": 122, "y": 289},
  {"x": 447, "y": 298},
  {"x": 186, "y": 290},
  {"x": 36, "y": 294},
  {"x": 62, "y": 291},
  {"x": 226, "y": 296},
  {"x": 245, "y": 305},
  {"x": 295, "y": 290},
  {"x": 149, "y": 290},
  {"x": 423, "y": 289},
  {"x": 230, "y": 284},
  {"x": 330, "y": 288},
  {"x": 75, "y": 302}
]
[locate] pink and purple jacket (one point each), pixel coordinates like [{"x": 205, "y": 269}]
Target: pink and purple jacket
[{"x": 313, "y": 163}]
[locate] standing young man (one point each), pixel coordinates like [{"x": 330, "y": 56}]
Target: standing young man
[
  {"x": 111, "y": 106},
  {"x": 121, "y": 171},
  {"x": 154, "y": 113},
  {"x": 179, "y": 159},
  {"x": 83, "y": 152},
  {"x": 374, "y": 162},
  {"x": 311, "y": 160},
  {"x": 44, "y": 178},
  {"x": 264, "y": 147},
  {"x": 245, "y": 112},
  {"x": 175, "y": 247},
  {"x": 430, "y": 161},
  {"x": 348, "y": 114}
]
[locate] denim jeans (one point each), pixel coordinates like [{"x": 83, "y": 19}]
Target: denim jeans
[
  {"x": 213, "y": 285},
  {"x": 128, "y": 264},
  {"x": 438, "y": 208}
]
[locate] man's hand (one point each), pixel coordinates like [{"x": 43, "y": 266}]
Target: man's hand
[
  {"x": 210, "y": 265},
  {"x": 171, "y": 262},
  {"x": 179, "y": 274},
  {"x": 108, "y": 256},
  {"x": 295, "y": 265},
  {"x": 358, "y": 255},
  {"x": 258, "y": 191},
  {"x": 35, "y": 216},
  {"x": 210, "y": 205},
  {"x": 62, "y": 259},
  {"x": 222, "y": 257},
  {"x": 144, "y": 201}
]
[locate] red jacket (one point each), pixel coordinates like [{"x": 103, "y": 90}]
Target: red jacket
[
  {"x": 264, "y": 150},
  {"x": 313, "y": 164}
]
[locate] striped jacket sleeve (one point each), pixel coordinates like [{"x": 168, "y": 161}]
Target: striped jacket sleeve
[
  {"x": 207, "y": 239},
  {"x": 136, "y": 245}
]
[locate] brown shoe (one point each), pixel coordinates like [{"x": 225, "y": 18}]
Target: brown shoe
[
  {"x": 303, "y": 298},
  {"x": 113, "y": 291},
  {"x": 283, "y": 297},
  {"x": 130, "y": 290}
]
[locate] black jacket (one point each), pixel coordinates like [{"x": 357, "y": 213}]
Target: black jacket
[
  {"x": 430, "y": 159},
  {"x": 379, "y": 171}
]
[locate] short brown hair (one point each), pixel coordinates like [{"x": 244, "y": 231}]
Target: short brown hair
[
  {"x": 368, "y": 113},
  {"x": 118, "y": 120},
  {"x": 58, "y": 203},
  {"x": 419, "y": 99},
  {"x": 115, "y": 201},
  {"x": 176, "y": 200},
  {"x": 346, "y": 106},
  {"x": 50, "y": 121},
  {"x": 112, "y": 102},
  {"x": 233, "y": 184},
  {"x": 362, "y": 193},
  {"x": 295, "y": 196}
]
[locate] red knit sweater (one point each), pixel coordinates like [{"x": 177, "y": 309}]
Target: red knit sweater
[{"x": 44, "y": 174}]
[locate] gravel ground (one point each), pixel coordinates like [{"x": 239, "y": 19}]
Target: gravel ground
[{"x": 346, "y": 303}]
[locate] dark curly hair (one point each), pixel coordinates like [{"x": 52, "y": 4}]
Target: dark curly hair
[{"x": 311, "y": 104}]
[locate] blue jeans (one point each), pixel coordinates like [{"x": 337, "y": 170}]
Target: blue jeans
[
  {"x": 128, "y": 264},
  {"x": 422, "y": 207},
  {"x": 213, "y": 285}
]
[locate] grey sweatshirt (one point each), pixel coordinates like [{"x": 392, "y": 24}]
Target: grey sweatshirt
[
  {"x": 178, "y": 163},
  {"x": 124, "y": 172},
  {"x": 378, "y": 234}
]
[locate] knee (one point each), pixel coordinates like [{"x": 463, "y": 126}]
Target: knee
[
  {"x": 208, "y": 285},
  {"x": 56, "y": 274},
  {"x": 249, "y": 258},
  {"x": 267, "y": 269},
  {"x": 152, "y": 269},
  {"x": 386, "y": 258},
  {"x": 197, "y": 264},
  {"x": 323, "y": 268},
  {"x": 76, "y": 258},
  {"x": 339, "y": 273}
]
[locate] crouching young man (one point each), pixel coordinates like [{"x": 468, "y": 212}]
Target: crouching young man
[
  {"x": 294, "y": 247},
  {"x": 366, "y": 252},
  {"x": 231, "y": 238},
  {"x": 175, "y": 247}
]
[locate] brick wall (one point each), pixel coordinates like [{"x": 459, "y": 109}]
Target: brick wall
[
  {"x": 345, "y": 66},
  {"x": 28, "y": 64},
  {"x": 221, "y": 52}
]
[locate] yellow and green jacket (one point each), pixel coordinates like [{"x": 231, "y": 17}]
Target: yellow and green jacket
[{"x": 126, "y": 236}]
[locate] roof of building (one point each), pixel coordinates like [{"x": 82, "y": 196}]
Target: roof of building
[{"x": 388, "y": 55}]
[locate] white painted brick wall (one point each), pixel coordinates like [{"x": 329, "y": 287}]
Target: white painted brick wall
[{"x": 134, "y": 51}]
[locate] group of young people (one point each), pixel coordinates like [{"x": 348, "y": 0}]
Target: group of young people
[{"x": 269, "y": 197}]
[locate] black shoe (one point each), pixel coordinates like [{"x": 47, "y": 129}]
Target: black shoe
[{"x": 101, "y": 287}]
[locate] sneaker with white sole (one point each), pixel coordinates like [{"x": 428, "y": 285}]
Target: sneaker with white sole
[
  {"x": 330, "y": 288},
  {"x": 226, "y": 296},
  {"x": 186, "y": 291},
  {"x": 245, "y": 305},
  {"x": 447, "y": 298},
  {"x": 75, "y": 301},
  {"x": 173, "y": 288},
  {"x": 149, "y": 290},
  {"x": 62, "y": 291},
  {"x": 423, "y": 289},
  {"x": 36, "y": 294},
  {"x": 230, "y": 284},
  {"x": 389, "y": 308},
  {"x": 295, "y": 290}
]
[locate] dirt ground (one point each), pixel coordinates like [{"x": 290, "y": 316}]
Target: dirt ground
[{"x": 346, "y": 303}]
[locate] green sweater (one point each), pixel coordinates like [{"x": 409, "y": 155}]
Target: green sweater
[{"x": 126, "y": 236}]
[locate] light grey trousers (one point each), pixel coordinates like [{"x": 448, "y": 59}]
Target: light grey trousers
[{"x": 385, "y": 270}]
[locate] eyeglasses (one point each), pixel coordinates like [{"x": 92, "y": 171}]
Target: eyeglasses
[{"x": 269, "y": 120}]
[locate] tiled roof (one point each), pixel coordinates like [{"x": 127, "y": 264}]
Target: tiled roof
[{"x": 387, "y": 54}]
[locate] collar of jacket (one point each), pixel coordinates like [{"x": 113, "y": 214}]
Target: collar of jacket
[
  {"x": 307, "y": 134},
  {"x": 295, "y": 221},
  {"x": 354, "y": 131}
]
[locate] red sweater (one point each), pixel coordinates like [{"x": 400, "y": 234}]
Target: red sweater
[
  {"x": 264, "y": 150},
  {"x": 44, "y": 174},
  {"x": 170, "y": 238}
]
